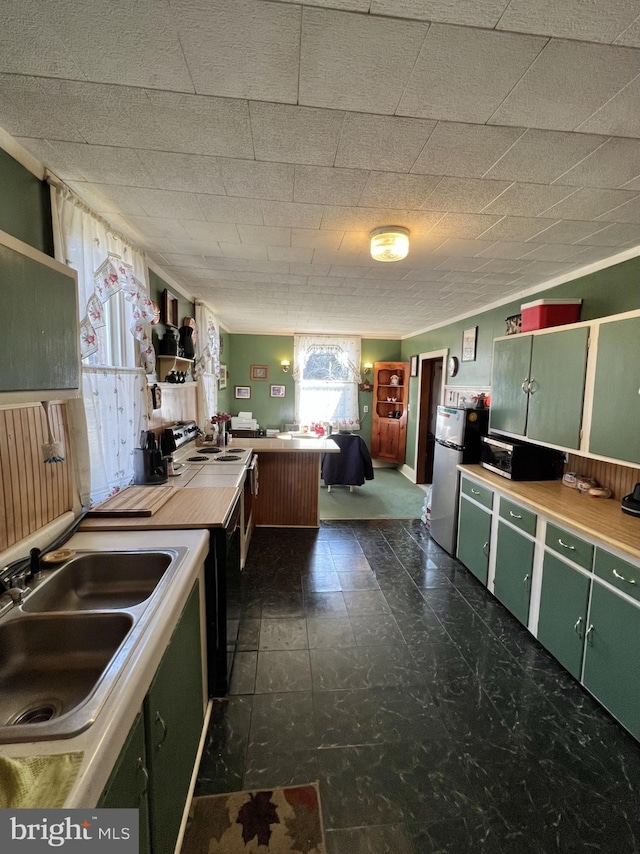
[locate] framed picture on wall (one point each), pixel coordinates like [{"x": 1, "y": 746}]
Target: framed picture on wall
[
  {"x": 259, "y": 372},
  {"x": 243, "y": 391},
  {"x": 222, "y": 379},
  {"x": 469, "y": 340},
  {"x": 278, "y": 391},
  {"x": 169, "y": 308},
  {"x": 414, "y": 366}
]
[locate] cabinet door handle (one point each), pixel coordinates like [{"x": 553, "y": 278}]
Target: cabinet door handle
[
  {"x": 485, "y": 548},
  {"x": 141, "y": 767},
  {"x": 474, "y": 491},
  {"x": 525, "y": 579},
  {"x": 530, "y": 387},
  {"x": 576, "y": 627},
  {"x": 589, "y": 631},
  {"x": 524, "y": 387},
  {"x": 565, "y": 546},
  {"x": 164, "y": 729},
  {"x": 514, "y": 515},
  {"x": 622, "y": 578}
]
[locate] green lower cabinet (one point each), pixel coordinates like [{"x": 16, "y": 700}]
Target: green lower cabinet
[
  {"x": 127, "y": 787},
  {"x": 173, "y": 717},
  {"x": 474, "y": 531},
  {"x": 514, "y": 566},
  {"x": 563, "y": 612},
  {"x": 612, "y": 656}
]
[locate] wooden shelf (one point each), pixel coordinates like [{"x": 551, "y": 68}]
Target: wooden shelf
[
  {"x": 388, "y": 434},
  {"x": 165, "y": 364}
]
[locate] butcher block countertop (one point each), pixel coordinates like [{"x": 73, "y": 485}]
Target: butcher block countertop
[
  {"x": 598, "y": 518},
  {"x": 187, "y": 508},
  {"x": 288, "y": 445}
]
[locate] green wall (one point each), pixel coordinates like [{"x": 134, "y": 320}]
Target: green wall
[{"x": 25, "y": 205}]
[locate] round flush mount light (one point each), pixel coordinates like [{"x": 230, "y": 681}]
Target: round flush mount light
[{"x": 389, "y": 243}]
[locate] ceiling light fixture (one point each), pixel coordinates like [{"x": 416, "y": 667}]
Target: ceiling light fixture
[{"x": 389, "y": 243}]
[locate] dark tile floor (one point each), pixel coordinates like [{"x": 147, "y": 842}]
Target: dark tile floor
[{"x": 373, "y": 662}]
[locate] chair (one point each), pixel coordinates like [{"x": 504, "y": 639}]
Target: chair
[{"x": 351, "y": 467}]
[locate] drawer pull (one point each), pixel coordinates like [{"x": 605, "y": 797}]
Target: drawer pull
[
  {"x": 576, "y": 627},
  {"x": 565, "y": 546},
  {"x": 622, "y": 578},
  {"x": 474, "y": 491},
  {"x": 514, "y": 515}
]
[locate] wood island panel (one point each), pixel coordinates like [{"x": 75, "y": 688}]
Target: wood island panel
[{"x": 288, "y": 492}]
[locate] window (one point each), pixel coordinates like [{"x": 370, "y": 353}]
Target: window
[{"x": 326, "y": 374}]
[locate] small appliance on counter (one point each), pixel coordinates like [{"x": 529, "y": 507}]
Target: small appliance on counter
[
  {"x": 457, "y": 440},
  {"x": 243, "y": 421},
  {"x": 631, "y": 503},
  {"x": 149, "y": 464},
  {"x": 520, "y": 460}
]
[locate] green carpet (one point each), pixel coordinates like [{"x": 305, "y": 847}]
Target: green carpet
[{"x": 388, "y": 496}]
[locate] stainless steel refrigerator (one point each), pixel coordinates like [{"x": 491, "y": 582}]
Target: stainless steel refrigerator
[{"x": 457, "y": 433}]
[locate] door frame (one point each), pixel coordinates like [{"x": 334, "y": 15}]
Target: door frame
[{"x": 423, "y": 400}]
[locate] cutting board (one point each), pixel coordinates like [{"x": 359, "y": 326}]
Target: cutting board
[{"x": 134, "y": 501}]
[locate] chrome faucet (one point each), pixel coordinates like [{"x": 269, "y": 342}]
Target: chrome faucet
[{"x": 11, "y": 597}]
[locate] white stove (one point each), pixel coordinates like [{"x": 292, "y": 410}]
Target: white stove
[{"x": 226, "y": 460}]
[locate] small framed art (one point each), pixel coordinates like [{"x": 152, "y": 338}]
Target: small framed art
[
  {"x": 469, "y": 341},
  {"x": 414, "y": 366},
  {"x": 259, "y": 372},
  {"x": 169, "y": 315},
  {"x": 222, "y": 379},
  {"x": 278, "y": 390},
  {"x": 243, "y": 391}
]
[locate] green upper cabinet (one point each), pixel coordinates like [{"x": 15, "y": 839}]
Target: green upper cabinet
[
  {"x": 537, "y": 388},
  {"x": 509, "y": 399},
  {"x": 616, "y": 394},
  {"x": 556, "y": 387}
]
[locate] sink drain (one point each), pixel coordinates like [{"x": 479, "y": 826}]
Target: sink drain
[{"x": 38, "y": 714}]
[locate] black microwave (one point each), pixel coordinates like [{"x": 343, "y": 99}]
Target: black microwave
[{"x": 520, "y": 460}]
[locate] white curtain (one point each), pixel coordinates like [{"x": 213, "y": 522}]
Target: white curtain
[
  {"x": 327, "y": 373},
  {"x": 207, "y": 365},
  {"x": 115, "y": 316}
]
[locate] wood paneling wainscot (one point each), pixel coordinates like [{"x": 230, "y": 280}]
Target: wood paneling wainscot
[
  {"x": 33, "y": 493},
  {"x": 619, "y": 479}
]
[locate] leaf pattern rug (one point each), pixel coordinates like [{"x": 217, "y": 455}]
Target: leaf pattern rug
[{"x": 269, "y": 821}]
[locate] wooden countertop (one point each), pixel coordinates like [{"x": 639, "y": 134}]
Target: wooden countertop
[
  {"x": 598, "y": 518},
  {"x": 203, "y": 507},
  {"x": 286, "y": 446}
]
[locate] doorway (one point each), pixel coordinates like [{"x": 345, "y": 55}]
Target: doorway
[{"x": 430, "y": 395}]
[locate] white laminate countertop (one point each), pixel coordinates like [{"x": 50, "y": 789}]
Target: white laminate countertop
[
  {"x": 288, "y": 445},
  {"x": 102, "y": 742}
]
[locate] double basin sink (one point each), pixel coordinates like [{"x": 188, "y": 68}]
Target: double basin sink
[{"x": 63, "y": 648}]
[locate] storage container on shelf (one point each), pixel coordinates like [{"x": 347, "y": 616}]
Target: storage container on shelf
[{"x": 542, "y": 313}]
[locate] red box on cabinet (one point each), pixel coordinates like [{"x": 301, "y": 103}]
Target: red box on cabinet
[{"x": 543, "y": 313}]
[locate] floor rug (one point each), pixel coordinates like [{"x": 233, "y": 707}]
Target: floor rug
[
  {"x": 388, "y": 496},
  {"x": 269, "y": 821}
]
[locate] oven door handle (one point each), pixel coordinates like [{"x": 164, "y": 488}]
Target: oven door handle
[{"x": 253, "y": 474}]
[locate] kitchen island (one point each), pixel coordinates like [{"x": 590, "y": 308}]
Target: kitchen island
[{"x": 289, "y": 480}]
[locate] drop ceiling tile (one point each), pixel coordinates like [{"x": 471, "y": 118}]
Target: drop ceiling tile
[
  {"x": 587, "y": 203},
  {"x": 205, "y": 231},
  {"x": 452, "y": 80},
  {"x": 568, "y": 231},
  {"x": 366, "y": 219},
  {"x": 325, "y": 185},
  {"x": 528, "y": 199},
  {"x": 628, "y": 212},
  {"x": 106, "y": 198},
  {"x": 283, "y": 133},
  {"x": 554, "y": 252},
  {"x": 568, "y": 82},
  {"x": 461, "y": 264},
  {"x": 292, "y": 214},
  {"x": 461, "y": 247},
  {"x": 243, "y": 250},
  {"x": 613, "y": 164},
  {"x": 507, "y": 249},
  {"x": 463, "y": 225},
  {"x": 499, "y": 265},
  {"x": 244, "y": 49},
  {"x": 479, "y": 13},
  {"x": 397, "y": 190},
  {"x": 95, "y": 163},
  {"x": 518, "y": 228},
  {"x": 591, "y": 21},
  {"x": 540, "y": 156},
  {"x": 155, "y": 226},
  {"x": 186, "y": 172},
  {"x": 630, "y": 36},
  {"x": 498, "y": 279},
  {"x": 265, "y": 236},
  {"x": 316, "y": 238},
  {"x": 383, "y": 143},
  {"x": 464, "y": 150},
  {"x": 619, "y": 116},
  {"x": 464, "y": 195},
  {"x": 42, "y": 117},
  {"x": 546, "y": 269},
  {"x": 257, "y": 180},
  {"x": 308, "y": 269},
  {"x": 177, "y": 260},
  {"x": 249, "y": 266},
  {"x": 288, "y": 253},
  {"x": 356, "y": 62},
  {"x": 30, "y": 41},
  {"x": 231, "y": 209},
  {"x": 165, "y": 203}
]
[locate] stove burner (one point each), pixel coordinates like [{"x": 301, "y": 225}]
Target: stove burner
[
  {"x": 197, "y": 459},
  {"x": 227, "y": 458},
  {"x": 209, "y": 451},
  {"x": 235, "y": 450}
]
